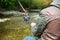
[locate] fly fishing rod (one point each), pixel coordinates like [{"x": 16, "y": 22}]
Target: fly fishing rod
[{"x": 26, "y": 16}]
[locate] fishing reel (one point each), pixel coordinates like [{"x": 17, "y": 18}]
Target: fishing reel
[{"x": 27, "y": 18}]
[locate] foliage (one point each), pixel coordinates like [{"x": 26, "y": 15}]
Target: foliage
[
  {"x": 8, "y": 4},
  {"x": 13, "y": 4},
  {"x": 36, "y": 3},
  {"x": 26, "y": 3},
  {"x": 40, "y": 3}
]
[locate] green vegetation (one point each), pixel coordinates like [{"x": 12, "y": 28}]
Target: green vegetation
[
  {"x": 13, "y": 4},
  {"x": 40, "y": 3},
  {"x": 8, "y": 4}
]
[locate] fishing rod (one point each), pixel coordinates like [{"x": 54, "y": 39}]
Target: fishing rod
[
  {"x": 26, "y": 16},
  {"x": 22, "y": 6}
]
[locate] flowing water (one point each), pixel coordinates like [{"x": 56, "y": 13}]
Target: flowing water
[{"x": 15, "y": 28}]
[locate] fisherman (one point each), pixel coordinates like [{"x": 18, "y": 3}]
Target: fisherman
[{"x": 48, "y": 25}]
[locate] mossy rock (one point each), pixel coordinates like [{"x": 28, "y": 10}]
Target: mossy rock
[{"x": 14, "y": 29}]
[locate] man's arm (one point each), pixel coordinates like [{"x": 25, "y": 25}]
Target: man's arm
[
  {"x": 39, "y": 27},
  {"x": 53, "y": 30}
]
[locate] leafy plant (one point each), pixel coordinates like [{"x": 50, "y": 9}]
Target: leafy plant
[
  {"x": 40, "y": 3},
  {"x": 13, "y": 4},
  {"x": 35, "y": 3},
  {"x": 8, "y": 4}
]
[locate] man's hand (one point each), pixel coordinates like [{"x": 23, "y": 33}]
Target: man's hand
[{"x": 33, "y": 24}]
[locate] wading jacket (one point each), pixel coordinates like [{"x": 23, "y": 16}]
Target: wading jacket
[{"x": 52, "y": 32}]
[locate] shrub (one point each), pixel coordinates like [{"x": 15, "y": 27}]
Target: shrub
[
  {"x": 8, "y": 4},
  {"x": 13, "y": 4}
]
